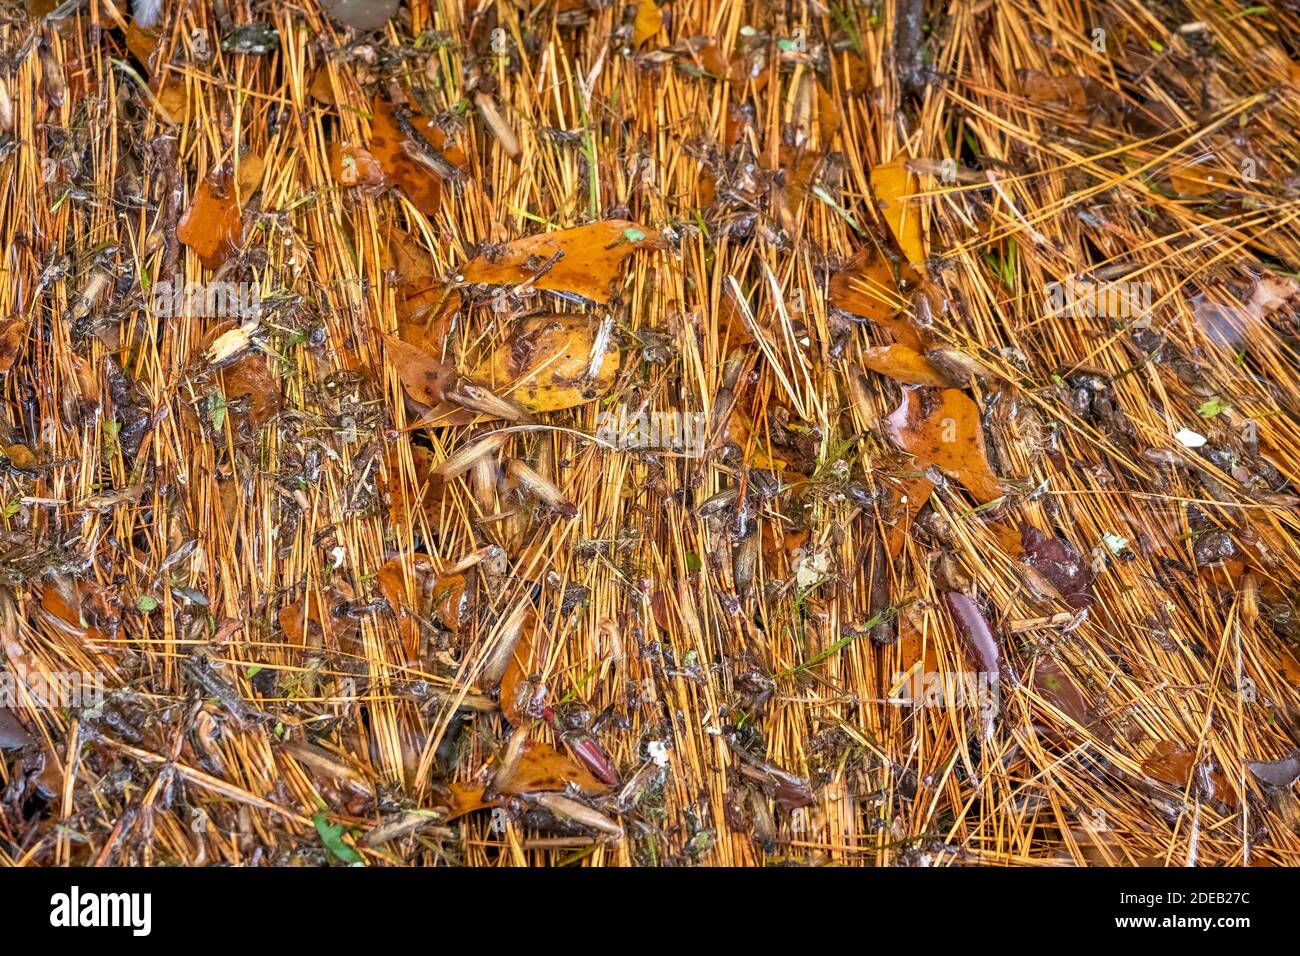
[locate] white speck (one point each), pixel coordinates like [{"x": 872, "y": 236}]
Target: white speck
[
  {"x": 658, "y": 753},
  {"x": 338, "y": 554},
  {"x": 1189, "y": 438}
]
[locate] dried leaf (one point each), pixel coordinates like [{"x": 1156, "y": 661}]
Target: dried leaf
[
  {"x": 590, "y": 258},
  {"x": 540, "y": 767},
  {"x": 942, "y": 427},
  {"x": 891, "y": 182}
]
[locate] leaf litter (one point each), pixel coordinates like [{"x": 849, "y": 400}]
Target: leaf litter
[{"x": 689, "y": 463}]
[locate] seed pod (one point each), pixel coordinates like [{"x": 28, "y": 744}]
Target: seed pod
[
  {"x": 579, "y": 813},
  {"x": 743, "y": 561},
  {"x": 508, "y": 634},
  {"x": 464, "y": 458},
  {"x": 492, "y": 118},
  {"x": 542, "y": 489}
]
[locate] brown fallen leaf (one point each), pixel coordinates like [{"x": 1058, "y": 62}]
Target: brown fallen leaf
[
  {"x": 903, "y": 364},
  {"x": 907, "y": 497},
  {"x": 1055, "y": 685},
  {"x": 1066, "y": 91},
  {"x": 942, "y": 427},
  {"x": 444, "y": 597},
  {"x": 590, "y": 258},
  {"x": 395, "y": 151},
  {"x": 542, "y": 768},
  {"x": 1197, "y": 179},
  {"x": 1173, "y": 764},
  {"x": 451, "y": 398},
  {"x": 547, "y": 363},
  {"x": 425, "y": 305},
  {"x": 213, "y": 226},
  {"x": 870, "y": 286},
  {"x": 13, "y": 331},
  {"x": 892, "y": 182},
  {"x": 521, "y": 700},
  {"x": 354, "y": 166}
]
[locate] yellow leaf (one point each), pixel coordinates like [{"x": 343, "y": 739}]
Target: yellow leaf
[
  {"x": 648, "y": 21},
  {"x": 891, "y": 182}
]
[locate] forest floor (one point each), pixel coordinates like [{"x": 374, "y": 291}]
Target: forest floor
[{"x": 718, "y": 433}]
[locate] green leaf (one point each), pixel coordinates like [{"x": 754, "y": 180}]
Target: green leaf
[
  {"x": 1212, "y": 407},
  {"x": 217, "y": 410},
  {"x": 332, "y": 836},
  {"x": 1116, "y": 543},
  {"x": 693, "y": 562},
  {"x": 146, "y": 603},
  {"x": 633, "y": 234}
]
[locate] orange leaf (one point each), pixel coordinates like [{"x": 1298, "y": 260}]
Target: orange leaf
[
  {"x": 648, "y": 21},
  {"x": 393, "y": 148},
  {"x": 542, "y": 768},
  {"x": 213, "y": 226},
  {"x": 546, "y": 362},
  {"x": 592, "y": 258},
  {"x": 870, "y": 286},
  {"x": 13, "y": 331},
  {"x": 891, "y": 182},
  {"x": 353, "y": 166},
  {"x": 942, "y": 427},
  {"x": 902, "y": 365}
]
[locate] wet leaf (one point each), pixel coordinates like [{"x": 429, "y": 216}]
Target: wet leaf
[
  {"x": 213, "y": 226},
  {"x": 1276, "y": 773},
  {"x": 1058, "y": 562},
  {"x": 331, "y": 834},
  {"x": 902, "y": 364},
  {"x": 542, "y": 768},
  {"x": 942, "y": 427},
  {"x": 868, "y": 285},
  {"x": 425, "y": 305},
  {"x": 590, "y": 259},
  {"x": 361, "y": 15},
  {"x": 421, "y": 184},
  {"x": 545, "y": 363},
  {"x": 1197, "y": 179},
  {"x": 13, "y": 736},
  {"x": 891, "y": 182},
  {"x": 426, "y": 380},
  {"x": 354, "y": 166},
  {"x": 1055, "y": 685},
  {"x": 13, "y": 331},
  {"x": 1173, "y": 764},
  {"x": 251, "y": 39},
  {"x": 1065, "y": 91},
  {"x": 648, "y": 21},
  {"x": 907, "y": 497}
]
